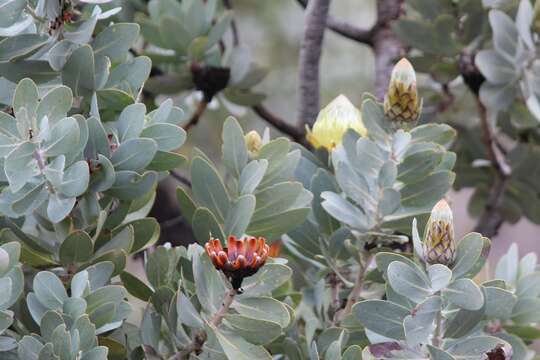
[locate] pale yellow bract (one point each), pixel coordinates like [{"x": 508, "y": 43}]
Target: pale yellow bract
[{"x": 332, "y": 123}]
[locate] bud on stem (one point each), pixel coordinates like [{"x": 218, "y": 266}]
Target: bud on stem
[
  {"x": 401, "y": 103},
  {"x": 439, "y": 243}
]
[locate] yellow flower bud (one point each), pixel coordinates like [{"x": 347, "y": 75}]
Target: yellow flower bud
[
  {"x": 332, "y": 123},
  {"x": 439, "y": 244},
  {"x": 253, "y": 142},
  {"x": 401, "y": 103}
]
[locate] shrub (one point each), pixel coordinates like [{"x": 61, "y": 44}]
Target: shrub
[{"x": 306, "y": 248}]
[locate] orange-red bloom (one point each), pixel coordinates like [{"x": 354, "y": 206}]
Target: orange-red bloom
[{"x": 241, "y": 258}]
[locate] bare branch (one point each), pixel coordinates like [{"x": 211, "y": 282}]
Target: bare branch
[
  {"x": 310, "y": 55},
  {"x": 201, "y": 108},
  {"x": 296, "y": 133},
  {"x": 491, "y": 219},
  {"x": 180, "y": 178},
  {"x": 357, "y": 289},
  {"x": 346, "y": 29},
  {"x": 386, "y": 44}
]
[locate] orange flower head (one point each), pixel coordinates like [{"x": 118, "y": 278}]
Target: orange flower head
[{"x": 240, "y": 259}]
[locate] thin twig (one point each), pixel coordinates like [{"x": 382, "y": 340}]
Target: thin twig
[
  {"x": 32, "y": 13},
  {"x": 355, "y": 292},
  {"x": 438, "y": 330},
  {"x": 296, "y": 133},
  {"x": 181, "y": 178},
  {"x": 335, "y": 287},
  {"x": 491, "y": 219},
  {"x": 201, "y": 108},
  {"x": 310, "y": 55},
  {"x": 200, "y": 337},
  {"x": 346, "y": 29}
]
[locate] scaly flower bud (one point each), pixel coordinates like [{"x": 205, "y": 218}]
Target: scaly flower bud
[
  {"x": 439, "y": 244},
  {"x": 253, "y": 142},
  {"x": 332, "y": 123},
  {"x": 241, "y": 258},
  {"x": 401, "y": 103}
]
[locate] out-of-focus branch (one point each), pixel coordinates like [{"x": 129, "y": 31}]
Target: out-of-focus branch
[
  {"x": 310, "y": 55},
  {"x": 181, "y": 178},
  {"x": 346, "y": 29},
  {"x": 491, "y": 219},
  {"x": 201, "y": 108},
  {"x": 385, "y": 43},
  {"x": 296, "y": 133}
]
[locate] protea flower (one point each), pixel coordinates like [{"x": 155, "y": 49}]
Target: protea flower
[
  {"x": 240, "y": 259},
  {"x": 401, "y": 103},
  {"x": 332, "y": 123},
  {"x": 439, "y": 244}
]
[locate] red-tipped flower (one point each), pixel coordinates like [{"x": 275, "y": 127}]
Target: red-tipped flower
[{"x": 241, "y": 258}]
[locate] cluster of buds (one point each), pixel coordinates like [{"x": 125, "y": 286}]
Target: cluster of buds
[
  {"x": 332, "y": 123},
  {"x": 439, "y": 244},
  {"x": 401, "y": 102},
  {"x": 240, "y": 259}
]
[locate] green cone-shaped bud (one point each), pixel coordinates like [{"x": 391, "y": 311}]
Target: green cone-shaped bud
[
  {"x": 401, "y": 103},
  {"x": 439, "y": 244}
]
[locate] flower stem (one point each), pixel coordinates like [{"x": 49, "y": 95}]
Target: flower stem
[
  {"x": 438, "y": 329},
  {"x": 355, "y": 292},
  {"x": 225, "y": 305},
  {"x": 201, "y": 336}
]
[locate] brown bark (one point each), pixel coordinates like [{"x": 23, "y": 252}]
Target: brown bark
[{"x": 310, "y": 55}]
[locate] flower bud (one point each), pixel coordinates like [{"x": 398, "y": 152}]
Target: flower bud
[
  {"x": 401, "y": 103},
  {"x": 241, "y": 258},
  {"x": 332, "y": 123},
  {"x": 253, "y": 142},
  {"x": 439, "y": 244}
]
